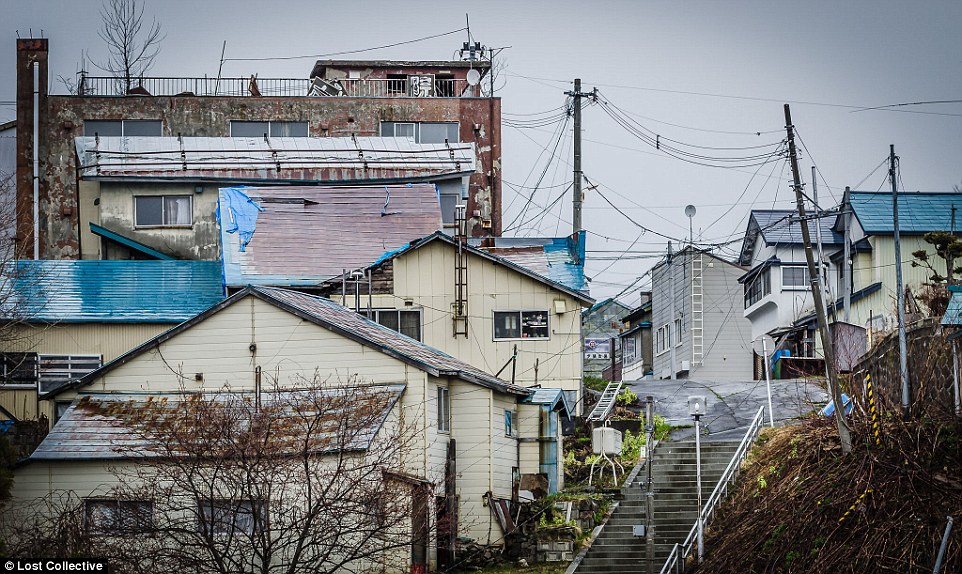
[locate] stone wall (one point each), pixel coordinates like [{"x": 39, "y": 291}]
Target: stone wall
[{"x": 929, "y": 366}]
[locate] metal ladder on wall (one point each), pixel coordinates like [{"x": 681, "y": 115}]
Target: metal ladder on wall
[
  {"x": 697, "y": 309},
  {"x": 606, "y": 402},
  {"x": 459, "y": 311}
]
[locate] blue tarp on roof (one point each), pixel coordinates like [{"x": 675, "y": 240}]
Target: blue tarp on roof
[
  {"x": 560, "y": 259},
  {"x": 918, "y": 212},
  {"x": 70, "y": 291}
]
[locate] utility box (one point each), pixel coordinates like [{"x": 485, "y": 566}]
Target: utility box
[{"x": 606, "y": 440}]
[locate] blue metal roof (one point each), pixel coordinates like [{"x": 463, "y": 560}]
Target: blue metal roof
[
  {"x": 919, "y": 213},
  {"x": 560, "y": 259},
  {"x": 70, "y": 291},
  {"x": 128, "y": 242}
]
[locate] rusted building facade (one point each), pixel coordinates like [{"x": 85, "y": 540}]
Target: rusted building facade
[{"x": 429, "y": 102}]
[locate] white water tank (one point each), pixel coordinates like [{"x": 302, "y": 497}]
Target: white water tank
[{"x": 606, "y": 440}]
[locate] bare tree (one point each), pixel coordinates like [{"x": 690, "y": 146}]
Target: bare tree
[
  {"x": 131, "y": 46},
  {"x": 287, "y": 481}
]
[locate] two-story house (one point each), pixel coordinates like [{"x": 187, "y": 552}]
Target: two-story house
[{"x": 697, "y": 320}]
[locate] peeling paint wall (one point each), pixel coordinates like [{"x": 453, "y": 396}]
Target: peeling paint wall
[{"x": 62, "y": 119}]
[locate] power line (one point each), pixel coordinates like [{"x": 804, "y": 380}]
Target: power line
[{"x": 346, "y": 51}]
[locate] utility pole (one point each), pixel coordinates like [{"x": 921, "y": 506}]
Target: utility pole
[
  {"x": 670, "y": 335},
  {"x": 828, "y": 351},
  {"x": 900, "y": 291},
  {"x": 847, "y": 272},
  {"x": 650, "y": 490},
  {"x": 577, "y": 198}
]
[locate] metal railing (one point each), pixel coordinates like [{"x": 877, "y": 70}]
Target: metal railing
[
  {"x": 680, "y": 553},
  {"x": 365, "y": 87}
]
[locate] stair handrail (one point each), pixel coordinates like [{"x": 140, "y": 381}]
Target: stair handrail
[{"x": 681, "y": 552}]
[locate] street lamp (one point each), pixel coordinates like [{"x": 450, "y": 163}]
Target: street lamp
[{"x": 696, "y": 408}]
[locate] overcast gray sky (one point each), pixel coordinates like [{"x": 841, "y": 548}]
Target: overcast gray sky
[{"x": 710, "y": 74}]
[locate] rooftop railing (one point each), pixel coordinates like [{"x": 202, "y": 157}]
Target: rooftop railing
[{"x": 286, "y": 87}]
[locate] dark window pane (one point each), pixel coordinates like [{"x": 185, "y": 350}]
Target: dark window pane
[
  {"x": 388, "y": 319},
  {"x": 448, "y": 203},
  {"x": 103, "y": 127},
  {"x": 289, "y": 129},
  {"x": 506, "y": 325},
  {"x": 411, "y": 324},
  {"x": 143, "y": 128},
  {"x": 534, "y": 324},
  {"x": 149, "y": 210},
  {"x": 248, "y": 129}
]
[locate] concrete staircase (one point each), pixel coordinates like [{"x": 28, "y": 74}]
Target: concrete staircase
[{"x": 617, "y": 550}]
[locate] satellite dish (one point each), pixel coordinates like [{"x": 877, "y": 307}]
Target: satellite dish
[
  {"x": 474, "y": 77},
  {"x": 690, "y": 210},
  {"x": 764, "y": 346}
]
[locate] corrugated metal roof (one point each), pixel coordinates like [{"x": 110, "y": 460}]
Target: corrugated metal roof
[
  {"x": 72, "y": 291},
  {"x": 344, "y": 320},
  {"x": 560, "y": 259},
  {"x": 919, "y": 213},
  {"x": 307, "y": 235},
  {"x": 781, "y": 227},
  {"x": 120, "y": 426},
  {"x": 581, "y": 295},
  {"x": 283, "y": 158}
]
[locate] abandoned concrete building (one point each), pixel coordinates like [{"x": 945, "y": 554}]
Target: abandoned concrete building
[{"x": 163, "y": 147}]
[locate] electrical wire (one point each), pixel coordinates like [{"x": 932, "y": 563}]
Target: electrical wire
[{"x": 431, "y": 37}]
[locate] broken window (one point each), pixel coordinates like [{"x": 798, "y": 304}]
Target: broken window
[
  {"x": 118, "y": 517},
  {"x": 162, "y": 210},
  {"x": 520, "y": 325},
  {"x": 225, "y": 516}
]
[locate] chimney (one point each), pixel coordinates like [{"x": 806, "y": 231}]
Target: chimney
[{"x": 29, "y": 52}]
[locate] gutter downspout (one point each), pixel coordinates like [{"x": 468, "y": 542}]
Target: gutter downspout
[{"x": 36, "y": 160}]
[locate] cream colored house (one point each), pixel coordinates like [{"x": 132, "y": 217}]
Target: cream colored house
[
  {"x": 70, "y": 317},
  {"x": 504, "y": 309},
  {"x": 262, "y": 336}
]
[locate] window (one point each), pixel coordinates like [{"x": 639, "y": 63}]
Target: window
[
  {"x": 449, "y": 202},
  {"x": 58, "y": 370},
  {"x": 628, "y": 350},
  {"x": 509, "y": 423},
  {"x": 663, "y": 339},
  {"x": 224, "y": 516},
  {"x": 422, "y": 132},
  {"x": 677, "y": 332},
  {"x": 795, "y": 278},
  {"x": 103, "y": 516},
  {"x": 19, "y": 369},
  {"x": 757, "y": 288},
  {"x": 162, "y": 210},
  {"x": 444, "y": 410},
  {"x": 404, "y": 321},
  {"x": 240, "y": 129},
  {"x": 123, "y": 127},
  {"x": 520, "y": 325}
]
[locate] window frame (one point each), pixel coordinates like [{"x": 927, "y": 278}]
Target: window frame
[
  {"x": 420, "y": 314},
  {"x": 140, "y": 526},
  {"x": 521, "y": 325},
  {"x": 451, "y": 128},
  {"x": 163, "y": 212},
  {"x": 444, "y": 409},
  {"x": 663, "y": 339},
  {"x": 259, "y": 510},
  {"x": 795, "y": 286},
  {"x": 123, "y": 127},
  {"x": 758, "y": 288},
  {"x": 270, "y": 127},
  {"x": 677, "y": 328},
  {"x": 510, "y": 428},
  {"x": 629, "y": 350}
]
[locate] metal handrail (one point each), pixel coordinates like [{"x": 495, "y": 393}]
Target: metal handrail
[{"x": 681, "y": 552}]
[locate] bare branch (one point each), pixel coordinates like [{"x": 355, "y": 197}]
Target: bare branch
[{"x": 131, "y": 47}]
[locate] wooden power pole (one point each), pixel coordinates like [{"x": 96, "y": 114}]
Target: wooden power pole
[{"x": 813, "y": 274}]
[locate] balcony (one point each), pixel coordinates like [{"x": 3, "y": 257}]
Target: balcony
[{"x": 283, "y": 87}]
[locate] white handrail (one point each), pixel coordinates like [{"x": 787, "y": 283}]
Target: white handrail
[{"x": 681, "y": 551}]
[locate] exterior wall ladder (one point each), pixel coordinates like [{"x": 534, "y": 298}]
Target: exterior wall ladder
[
  {"x": 697, "y": 309},
  {"x": 459, "y": 311}
]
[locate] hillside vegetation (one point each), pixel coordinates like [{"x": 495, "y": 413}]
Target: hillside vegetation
[{"x": 802, "y": 506}]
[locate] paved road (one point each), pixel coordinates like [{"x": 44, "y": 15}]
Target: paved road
[{"x": 731, "y": 405}]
